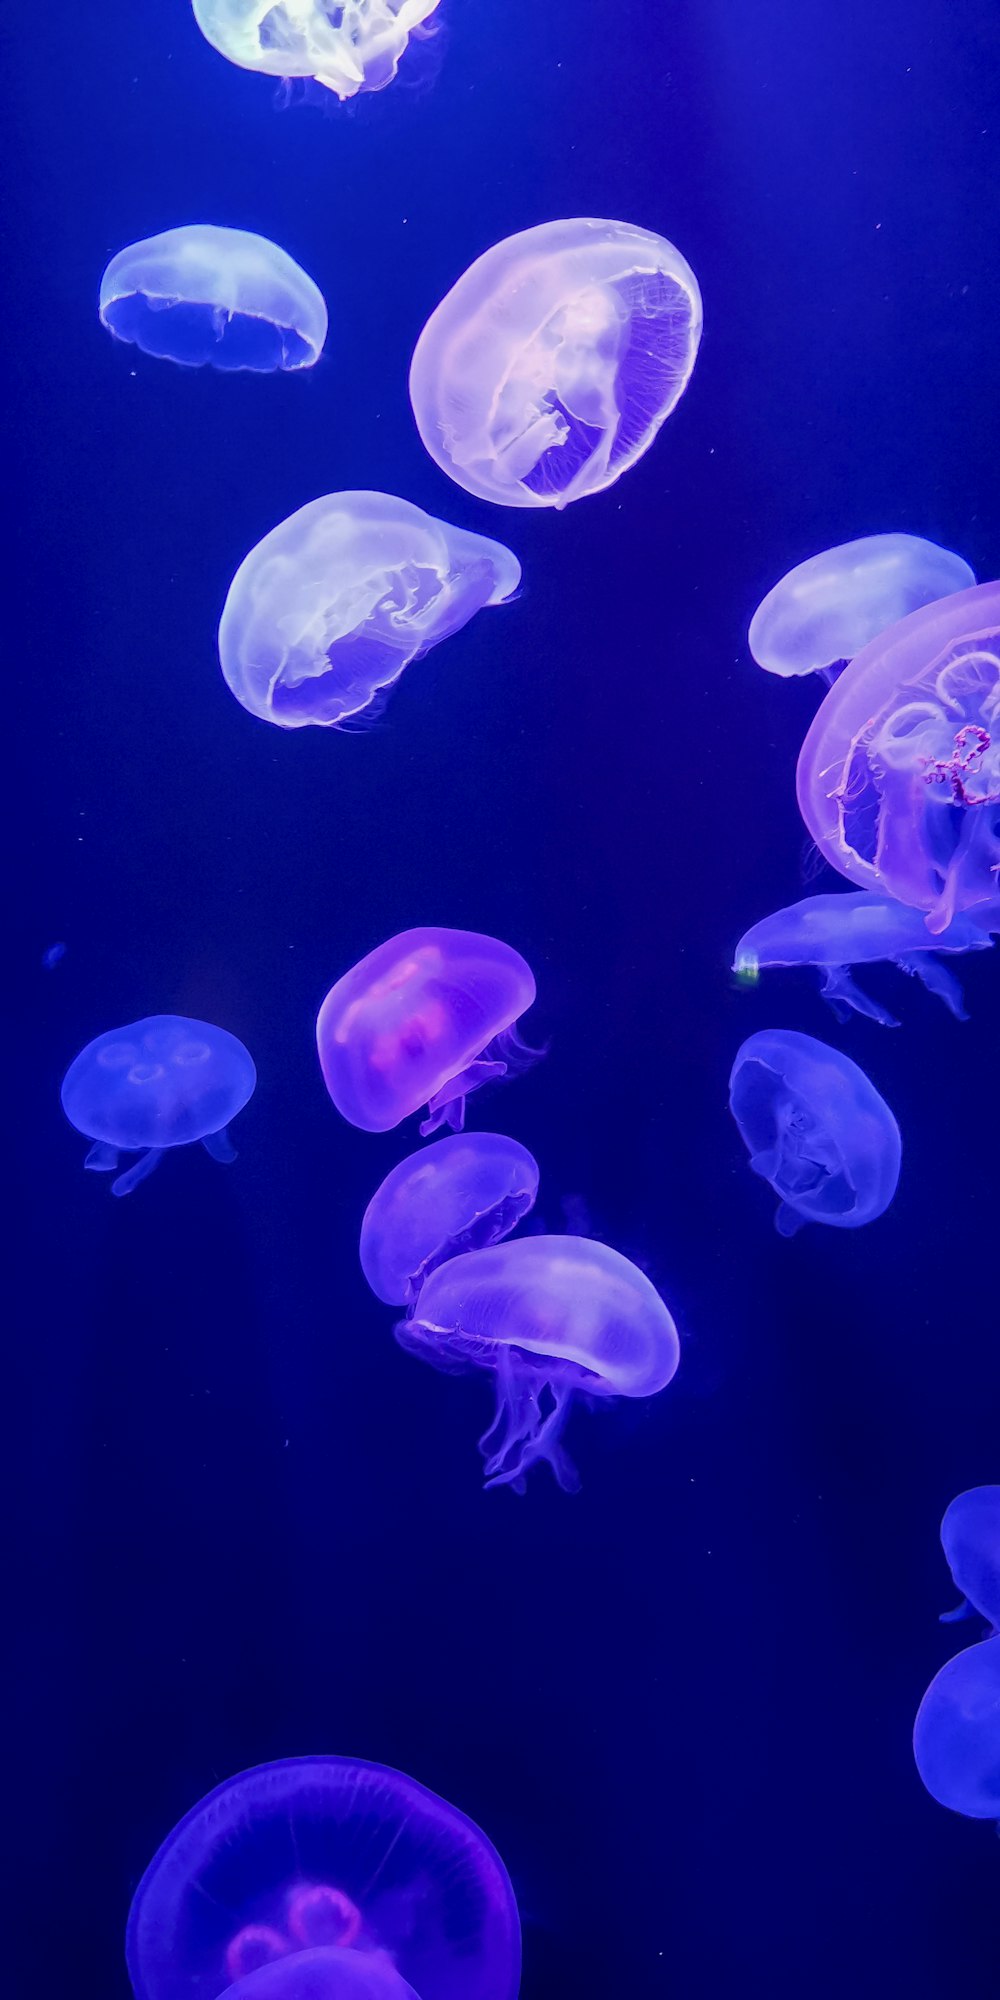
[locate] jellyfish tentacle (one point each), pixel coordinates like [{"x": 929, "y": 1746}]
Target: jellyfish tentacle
[
  {"x": 787, "y": 1220},
  {"x": 139, "y": 1172},
  {"x": 447, "y": 1106},
  {"x": 937, "y": 978},
  {"x": 522, "y": 1432},
  {"x": 963, "y": 1610},
  {"x": 102, "y": 1158},
  {"x": 844, "y": 997},
  {"x": 219, "y": 1146}
]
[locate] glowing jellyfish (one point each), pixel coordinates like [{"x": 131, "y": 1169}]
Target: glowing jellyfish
[
  {"x": 899, "y": 775},
  {"x": 970, "y": 1538},
  {"x": 956, "y": 1737},
  {"x": 551, "y": 364},
  {"x": 165, "y": 1081},
  {"x": 816, "y": 1128},
  {"x": 836, "y": 932},
  {"x": 324, "y": 614},
  {"x": 346, "y": 45},
  {"x": 202, "y": 294},
  {"x": 424, "y": 1019},
  {"x": 291, "y": 1861},
  {"x": 462, "y": 1194},
  {"x": 551, "y": 1317},
  {"x": 827, "y": 608}
]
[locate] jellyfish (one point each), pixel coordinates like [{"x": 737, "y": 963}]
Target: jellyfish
[
  {"x": 462, "y": 1194},
  {"x": 899, "y": 775},
  {"x": 549, "y": 367},
  {"x": 165, "y": 1081},
  {"x": 324, "y": 614},
  {"x": 424, "y": 1019},
  {"x": 551, "y": 1317},
  {"x": 203, "y": 294},
  {"x": 816, "y": 1128},
  {"x": 822, "y": 613},
  {"x": 835, "y": 932},
  {"x": 314, "y": 1862},
  {"x": 970, "y": 1538},
  {"x": 346, "y": 45},
  {"x": 956, "y": 1736}
]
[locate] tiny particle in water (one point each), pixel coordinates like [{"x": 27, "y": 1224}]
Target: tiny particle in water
[{"x": 51, "y": 957}]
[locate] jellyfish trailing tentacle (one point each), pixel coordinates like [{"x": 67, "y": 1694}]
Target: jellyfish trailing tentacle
[
  {"x": 139, "y": 1172},
  {"x": 102, "y": 1158},
  {"x": 219, "y": 1147},
  {"x": 963, "y": 1610},
  {"x": 532, "y": 1406},
  {"x": 938, "y": 979},
  {"x": 844, "y": 997}
]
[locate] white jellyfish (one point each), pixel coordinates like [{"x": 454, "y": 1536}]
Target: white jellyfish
[
  {"x": 346, "y": 45},
  {"x": 205, "y": 294}
]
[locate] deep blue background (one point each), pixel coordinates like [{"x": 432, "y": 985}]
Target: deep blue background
[{"x": 245, "y": 1524}]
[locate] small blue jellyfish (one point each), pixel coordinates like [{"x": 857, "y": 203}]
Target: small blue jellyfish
[
  {"x": 347, "y": 45},
  {"x": 550, "y": 1317},
  {"x": 462, "y": 1194},
  {"x": 835, "y": 932},
  {"x": 161, "y": 1082},
  {"x": 204, "y": 294},
  {"x": 956, "y": 1736},
  {"x": 970, "y": 1538},
  {"x": 291, "y": 1865},
  {"x": 816, "y": 1128},
  {"x": 822, "y": 613},
  {"x": 324, "y": 614}
]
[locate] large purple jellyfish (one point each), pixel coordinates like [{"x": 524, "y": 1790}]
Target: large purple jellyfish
[
  {"x": 424, "y": 1019},
  {"x": 824, "y": 610},
  {"x": 816, "y": 1129},
  {"x": 462, "y": 1194},
  {"x": 288, "y": 1863},
  {"x": 163, "y": 1081},
  {"x": 956, "y": 1736},
  {"x": 899, "y": 774},
  {"x": 551, "y": 1317},
  {"x": 835, "y": 932},
  {"x": 970, "y": 1538}
]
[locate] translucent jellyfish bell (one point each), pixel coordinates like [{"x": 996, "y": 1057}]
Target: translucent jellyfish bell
[
  {"x": 970, "y": 1538},
  {"x": 835, "y": 932},
  {"x": 828, "y": 607},
  {"x": 329, "y": 1973},
  {"x": 816, "y": 1129},
  {"x": 549, "y": 367},
  {"x": 223, "y": 296},
  {"x": 551, "y": 1317},
  {"x": 325, "y": 613},
  {"x": 424, "y": 1019},
  {"x": 899, "y": 775},
  {"x": 291, "y": 1860},
  {"x": 161, "y": 1082},
  {"x": 462, "y": 1194},
  {"x": 348, "y": 47},
  {"x": 956, "y": 1737}
]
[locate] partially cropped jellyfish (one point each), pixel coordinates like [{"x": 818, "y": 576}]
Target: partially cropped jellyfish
[
  {"x": 821, "y": 614},
  {"x": 161, "y": 1082},
  {"x": 324, "y": 614},
  {"x": 346, "y": 45},
  {"x": 835, "y": 932},
  {"x": 970, "y": 1538},
  {"x": 816, "y": 1129},
  {"x": 426, "y": 1018},
  {"x": 550, "y": 1317},
  {"x": 204, "y": 294},
  {"x": 462, "y": 1194},
  {"x": 304, "y": 1866},
  {"x": 549, "y": 367},
  {"x": 956, "y": 1737},
  {"x": 899, "y": 775}
]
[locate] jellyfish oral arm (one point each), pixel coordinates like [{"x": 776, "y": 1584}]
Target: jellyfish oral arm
[
  {"x": 102, "y": 1158},
  {"x": 844, "y": 997},
  {"x": 532, "y": 1407},
  {"x": 139, "y": 1172},
  {"x": 447, "y": 1106},
  {"x": 219, "y": 1147}
]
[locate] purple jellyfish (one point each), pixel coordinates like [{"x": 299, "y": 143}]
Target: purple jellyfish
[
  {"x": 899, "y": 774},
  {"x": 816, "y": 1128},
  {"x": 462, "y": 1194},
  {"x": 551, "y": 1317},
  {"x": 956, "y": 1736},
  {"x": 164, "y": 1081},
  {"x": 835, "y": 932},
  {"x": 314, "y": 1862},
  {"x": 823, "y": 611},
  {"x": 970, "y": 1538},
  {"x": 424, "y": 1019}
]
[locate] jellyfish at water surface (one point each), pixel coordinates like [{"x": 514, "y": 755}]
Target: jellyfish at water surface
[
  {"x": 549, "y": 367},
  {"x": 970, "y": 1538},
  {"x": 828, "y": 607},
  {"x": 899, "y": 775},
  {"x": 347, "y": 45},
  {"x": 289, "y": 1864},
  {"x": 424, "y": 1019},
  {"x": 816, "y": 1129},
  {"x": 161, "y": 1082},
  {"x": 223, "y": 296},
  {"x": 836, "y": 932},
  {"x": 550, "y": 1317},
  {"x": 326, "y": 612},
  {"x": 464, "y": 1193},
  {"x": 956, "y": 1737}
]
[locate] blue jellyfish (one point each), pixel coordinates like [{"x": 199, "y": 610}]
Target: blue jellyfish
[
  {"x": 346, "y": 45},
  {"x": 161, "y": 1082},
  {"x": 426, "y": 1018},
  {"x": 822, "y": 613},
  {"x": 289, "y": 1865},
  {"x": 462, "y": 1194},
  {"x": 551, "y": 364},
  {"x": 324, "y": 614},
  {"x": 970, "y": 1538},
  {"x": 836, "y": 932},
  {"x": 956, "y": 1736},
  {"x": 816, "y": 1128},
  {"x": 899, "y": 775},
  {"x": 203, "y": 294},
  {"x": 551, "y": 1317}
]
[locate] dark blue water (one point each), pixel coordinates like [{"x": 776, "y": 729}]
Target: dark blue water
[{"x": 243, "y": 1523}]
